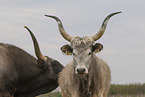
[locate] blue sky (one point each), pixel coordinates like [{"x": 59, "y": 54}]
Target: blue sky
[{"x": 124, "y": 38}]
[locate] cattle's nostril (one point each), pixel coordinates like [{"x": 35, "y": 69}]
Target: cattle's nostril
[{"x": 81, "y": 70}]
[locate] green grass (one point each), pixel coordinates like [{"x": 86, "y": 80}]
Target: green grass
[{"x": 58, "y": 94}]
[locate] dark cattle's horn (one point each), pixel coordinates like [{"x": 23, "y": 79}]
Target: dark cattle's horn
[
  {"x": 103, "y": 27},
  {"x": 36, "y": 46},
  {"x": 61, "y": 28}
]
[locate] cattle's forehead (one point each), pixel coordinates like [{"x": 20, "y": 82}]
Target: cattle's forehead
[{"x": 81, "y": 41}]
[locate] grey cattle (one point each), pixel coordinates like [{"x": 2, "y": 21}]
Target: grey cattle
[
  {"x": 87, "y": 75},
  {"x": 22, "y": 75}
]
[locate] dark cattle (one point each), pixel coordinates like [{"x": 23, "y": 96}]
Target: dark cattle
[
  {"x": 87, "y": 75},
  {"x": 22, "y": 75}
]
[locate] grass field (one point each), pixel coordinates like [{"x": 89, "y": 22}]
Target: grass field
[
  {"x": 128, "y": 90},
  {"x": 58, "y": 94},
  {"x": 128, "y": 95}
]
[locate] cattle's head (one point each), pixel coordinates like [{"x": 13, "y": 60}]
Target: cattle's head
[{"x": 82, "y": 49}]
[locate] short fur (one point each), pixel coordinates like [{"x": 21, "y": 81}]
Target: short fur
[
  {"x": 21, "y": 75},
  {"x": 94, "y": 84}
]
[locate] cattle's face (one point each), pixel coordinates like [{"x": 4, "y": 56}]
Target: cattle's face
[{"x": 82, "y": 50}]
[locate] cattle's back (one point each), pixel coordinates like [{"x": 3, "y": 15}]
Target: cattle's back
[{"x": 13, "y": 62}]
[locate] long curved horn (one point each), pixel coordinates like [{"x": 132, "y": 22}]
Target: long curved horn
[
  {"x": 36, "y": 46},
  {"x": 61, "y": 28},
  {"x": 103, "y": 27}
]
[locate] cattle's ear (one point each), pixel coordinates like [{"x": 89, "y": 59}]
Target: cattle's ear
[
  {"x": 67, "y": 49},
  {"x": 97, "y": 47}
]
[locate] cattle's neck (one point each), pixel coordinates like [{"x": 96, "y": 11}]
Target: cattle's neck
[{"x": 83, "y": 85}]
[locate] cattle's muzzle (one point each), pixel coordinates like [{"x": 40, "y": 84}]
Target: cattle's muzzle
[{"x": 81, "y": 70}]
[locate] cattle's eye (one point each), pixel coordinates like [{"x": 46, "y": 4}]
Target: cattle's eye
[
  {"x": 73, "y": 54},
  {"x": 90, "y": 53}
]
